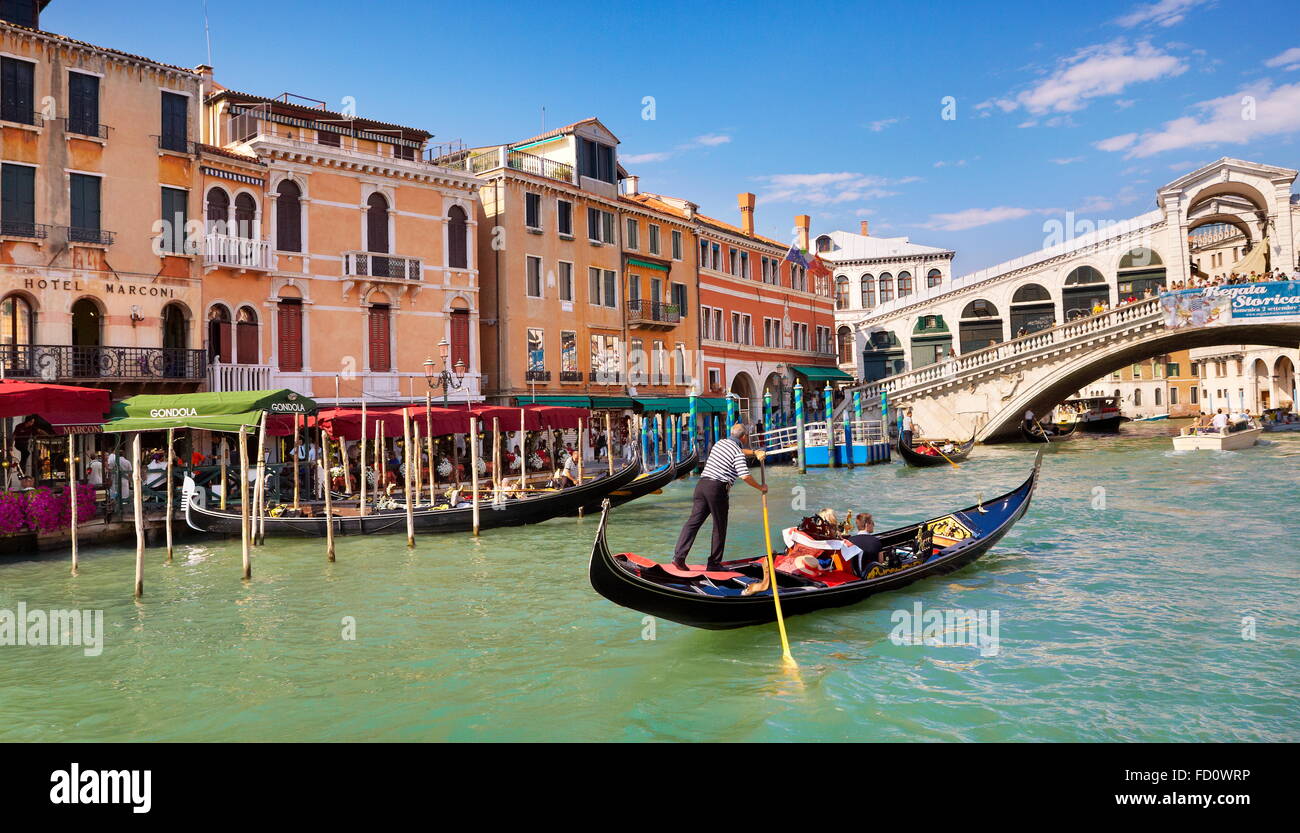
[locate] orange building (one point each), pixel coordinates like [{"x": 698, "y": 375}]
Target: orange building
[
  {"x": 335, "y": 254},
  {"x": 585, "y": 293}
]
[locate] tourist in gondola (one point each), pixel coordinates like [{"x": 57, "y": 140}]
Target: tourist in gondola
[
  {"x": 726, "y": 465},
  {"x": 865, "y": 540}
]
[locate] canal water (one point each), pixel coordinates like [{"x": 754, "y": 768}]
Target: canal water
[{"x": 1126, "y": 603}]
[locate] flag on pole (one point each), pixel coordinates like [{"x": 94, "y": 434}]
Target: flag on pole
[
  {"x": 796, "y": 256},
  {"x": 818, "y": 268}
]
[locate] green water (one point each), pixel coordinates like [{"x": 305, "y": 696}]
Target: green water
[{"x": 1115, "y": 623}]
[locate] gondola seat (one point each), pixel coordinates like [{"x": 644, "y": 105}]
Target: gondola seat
[{"x": 649, "y": 568}]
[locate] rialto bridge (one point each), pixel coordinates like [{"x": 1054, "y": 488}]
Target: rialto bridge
[
  {"x": 1231, "y": 213},
  {"x": 987, "y": 391}
]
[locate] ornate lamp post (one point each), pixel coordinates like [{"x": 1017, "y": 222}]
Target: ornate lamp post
[{"x": 444, "y": 379}]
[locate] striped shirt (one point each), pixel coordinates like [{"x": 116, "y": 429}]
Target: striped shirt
[{"x": 726, "y": 462}]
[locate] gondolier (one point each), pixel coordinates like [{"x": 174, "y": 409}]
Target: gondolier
[{"x": 725, "y": 465}]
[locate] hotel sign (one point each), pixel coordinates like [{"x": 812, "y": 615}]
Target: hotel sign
[
  {"x": 108, "y": 287},
  {"x": 1246, "y": 303}
]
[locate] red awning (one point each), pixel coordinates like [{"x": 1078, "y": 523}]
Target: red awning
[
  {"x": 59, "y": 405},
  {"x": 560, "y": 416},
  {"x": 345, "y": 423}
]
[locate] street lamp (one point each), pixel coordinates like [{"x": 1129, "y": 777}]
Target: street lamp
[{"x": 443, "y": 378}]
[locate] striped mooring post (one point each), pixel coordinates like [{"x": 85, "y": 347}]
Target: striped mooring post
[
  {"x": 767, "y": 411},
  {"x": 857, "y": 405},
  {"x": 732, "y": 412},
  {"x": 798, "y": 422},
  {"x": 695, "y": 409},
  {"x": 828, "y": 400},
  {"x": 848, "y": 437}
]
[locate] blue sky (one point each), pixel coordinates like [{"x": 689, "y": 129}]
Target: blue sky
[{"x": 835, "y": 110}]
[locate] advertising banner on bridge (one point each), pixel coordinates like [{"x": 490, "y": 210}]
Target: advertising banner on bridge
[{"x": 1245, "y": 303}]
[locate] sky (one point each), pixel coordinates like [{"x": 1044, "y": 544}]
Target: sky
[{"x": 971, "y": 126}]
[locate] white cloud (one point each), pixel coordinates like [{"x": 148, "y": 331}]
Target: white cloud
[
  {"x": 1067, "y": 160},
  {"x": 1097, "y": 204},
  {"x": 709, "y": 140},
  {"x": 975, "y": 217},
  {"x": 1115, "y": 143},
  {"x": 1163, "y": 13},
  {"x": 956, "y": 163},
  {"x": 1290, "y": 59},
  {"x": 881, "y": 124},
  {"x": 829, "y": 188},
  {"x": 1125, "y": 103},
  {"x": 1238, "y": 118},
  {"x": 1093, "y": 72},
  {"x": 643, "y": 158}
]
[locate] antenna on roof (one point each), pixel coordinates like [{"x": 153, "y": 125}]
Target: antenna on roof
[
  {"x": 543, "y": 118},
  {"x": 207, "y": 34}
]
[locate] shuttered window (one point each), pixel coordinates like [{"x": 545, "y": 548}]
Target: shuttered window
[
  {"x": 246, "y": 337},
  {"x": 459, "y": 337},
  {"x": 83, "y": 104},
  {"x": 84, "y": 194},
  {"x": 457, "y": 238},
  {"x": 289, "y": 313},
  {"x": 377, "y": 224},
  {"x": 18, "y": 194},
  {"x": 16, "y": 94},
  {"x": 380, "y": 356},
  {"x": 175, "y": 123},
  {"x": 174, "y": 214},
  {"x": 288, "y": 217},
  {"x": 219, "y": 335}
]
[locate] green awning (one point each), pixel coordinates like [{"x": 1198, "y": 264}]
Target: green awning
[
  {"x": 565, "y": 400},
  {"x": 615, "y": 403},
  {"x": 667, "y": 404},
  {"x": 711, "y": 404},
  {"x": 205, "y": 411},
  {"x": 822, "y": 374},
  {"x": 645, "y": 264}
]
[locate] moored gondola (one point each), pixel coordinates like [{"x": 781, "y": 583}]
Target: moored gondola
[
  {"x": 511, "y": 512},
  {"x": 915, "y": 458},
  {"x": 686, "y": 466},
  {"x": 644, "y": 484},
  {"x": 1047, "y": 432},
  {"x": 718, "y": 600}
]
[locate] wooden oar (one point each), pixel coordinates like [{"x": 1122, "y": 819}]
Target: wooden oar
[
  {"x": 787, "y": 658},
  {"x": 1041, "y": 430},
  {"x": 944, "y": 456}
]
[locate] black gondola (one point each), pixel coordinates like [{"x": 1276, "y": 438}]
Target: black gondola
[
  {"x": 716, "y": 601},
  {"x": 921, "y": 461},
  {"x": 512, "y": 512},
  {"x": 686, "y": 466},
  {"x": 1047, "y": 432},
  {"x": 644, "y": 484}
]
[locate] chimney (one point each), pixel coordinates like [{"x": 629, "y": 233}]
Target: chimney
[
  {"x": 865, "y": 229},
  {"x": 802, "y": 223},
  {"x": 746, "y": 201},
  {"x": 632, "y": 186}
]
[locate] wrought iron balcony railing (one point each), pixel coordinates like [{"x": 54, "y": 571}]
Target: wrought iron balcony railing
[
  {"x": 642, "y": 311},
  {"x": 382, "y": 265},
  {"x": 99, "y": 237},
  {"x": 178, "y": 144},
  {"x": 537, "y": 375},
  {"x": 85, "y": 127},
  {"x": 570, "y": 375},
  {"x": 62, "y": 361},
  {"x": 605, "y": 377},
  {"x": 17, "y": 115},
  {"x": 32, "y": 231}
]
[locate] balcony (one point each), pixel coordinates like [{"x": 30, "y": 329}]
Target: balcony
[
  {"x": 51, "y": 362},
  {"x": 382, "y": 266},
  {"x": 85, "y": 127},
  {"x": 605, "y": 377},
  {"x": 29, "y": 231},
  {"x": 239, "y": 253},
  {"x": 13, "y": 113},
  {"x": 570, "y": 375},
  {"x": 93, "y": 236},
  {"x": 537, "y": 375},
  {"x": 176, "y": 144},
  {"x": 224, "y": 378},
  {"x": 504, "y": 158},
  {"x": 652, "y": 314}
]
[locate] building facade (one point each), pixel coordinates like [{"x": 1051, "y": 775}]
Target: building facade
[
  {"x": 98, "y": 165},
  {"x": 1242, "y": 377},
  {"x": 336, "y": 256}
]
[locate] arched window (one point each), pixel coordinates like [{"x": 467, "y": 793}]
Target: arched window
[
  {"x": 933, "y": 278},
  {"x": 246, "y": 349},
  {"x": 245, "y": 216},
  {"x": 16, "y": 327},
  {"x": 868, "y": 290},
  {"x": 1030, "y": 292},
  {"x": 823, "y": 244},
  {"x": 1137, "y": 397},
  {"x": 289, "y": 334},
  {"x": 288, "y": 217},
  {"x": 841, "y": 292},
  {"x": 886, "y": 288},
  {"x": 220, "y": 336},
  {"x": 87, "y": 331},
  {"x": 457, "y": 238},
  {"x": 218, "y": 210},
  {"x": 175, "y": 340},
  {"x": 377, "y": 223},
  {"x": 844, "y": 339},
  {"x": 1157, "y": 396},
  {"x": 904, "y": 284},
  {"x": 1083, "y": 275},
  {"x": 380, "y": 354}
]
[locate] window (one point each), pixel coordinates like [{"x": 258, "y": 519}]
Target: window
[
  {"x": 288, "y": 217},
  {"x": 566, "y": 281},
  {"x": 174, "y": 219},
  {"x": 841, "y": 292},
  {"x": 904, "y": 284},
  {"x": 600, "y": 226},
  {"x": 886, "y": 288},
  {"x": 1173, "y": 396},
  {"x": 16, "y": 91},
  {"x": 633, "y": 287},
  {"x": 325, "y": 136},
  {"x": 1157, "y": 397},
  {"x": 845, "y": 346},
  {"x": 746, "y": 329},
  {"x": 679, "y": 298},
  {"x": 217, "y": 210},
  {"x": 602, "y": 287},
  {"x": 606, "y": 366},
  {"x": 717, "y": 257},
  {"x": 564, "y": 217},
  {"x": 715, "y": 379},
  {"x": 84, "y": 194},
  {"x": 637, "y": 362},
  {"x": 933, "y": 278},
  {"x": 377, "y": 228},
  {"x": 457, "y": 238},
  {"x": 744, "y": 265},
  {"x": 175, "y": 123},
  {"x": 83, "y": 104},
  {"x": 735, "y": 327},
  {"x": 596, "y": 160},
  {"x": 677, "y": 244},
  {"x": 380, "y": 354},
  {"x": 1194, "y": 395},
  {"x": 1137, "y": 397},
  {"x": 16, "y": 325},
  {"x": 534, "y": 277},
  {"x": 536, "y": 350},
  {"x": 867, "y": 288},
  {"x": 219, "y": 335},
  {"x": 731, "y": 262},
  {"x": 18, "y": 201},
  {"x": 533, "y": 211},
  {"x": 704, "y": 254},
  {"x": 654, "y": 239},
  {"x": 679, "y": 363},
  {"x": 633, "y": 239},
  {"x": 289, "y": 317},
  {"x": 246, "y": 350},
  {"x": 717, "y": 325},
  {"x": 706, "y": 322},
  {"x": 246, "y": 216},
  {"x": 659, "y": 356},
  {"x": 568, "y": 352},
  {"x": 460, "y": 337}
]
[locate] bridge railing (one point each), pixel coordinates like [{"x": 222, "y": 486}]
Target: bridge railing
[
  {"x": 1114, "y": 320},
  {"x": 864, "y": 431}
]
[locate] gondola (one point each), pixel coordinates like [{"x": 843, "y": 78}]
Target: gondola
[
  {"x": 716, "y": 601},
  {"x": 1053, "y": 431},
  {"x": 921, "y": 461},
  {"x": 686, "y": 466},
  {"x": 512, "y": 512},
  {"x": 644, "y": 484}
]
